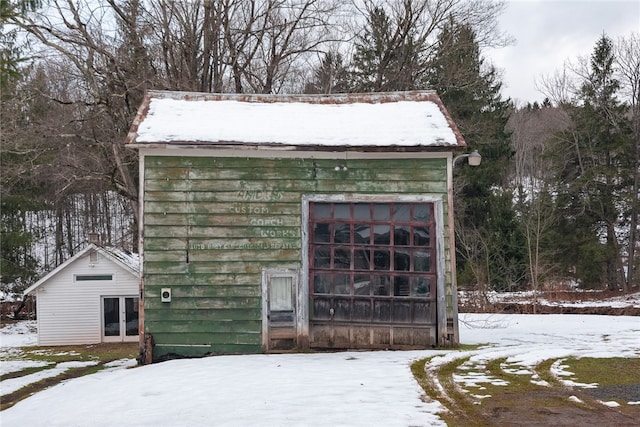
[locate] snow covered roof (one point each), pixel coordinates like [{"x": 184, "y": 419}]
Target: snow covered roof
[
  {"x": 126, "y": 260},
  {"x": 381, "y": 121}
]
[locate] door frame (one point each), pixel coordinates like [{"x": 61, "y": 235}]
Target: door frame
[
  {"x": 123, "y": 337},
  {"x": 438, "y": 211},
  {"x": 267, "y": 274}
]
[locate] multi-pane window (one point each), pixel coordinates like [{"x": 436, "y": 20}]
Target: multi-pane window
[{"x": 372, "y": 249}]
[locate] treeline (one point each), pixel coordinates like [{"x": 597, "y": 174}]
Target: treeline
[{"x": 555, "y": 199}]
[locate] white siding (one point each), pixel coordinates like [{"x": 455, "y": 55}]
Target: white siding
[{"x": 69, "y": 311}]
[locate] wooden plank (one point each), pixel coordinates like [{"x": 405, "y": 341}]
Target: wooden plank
[
  {"x": 197, "y": 279},
  {"x": 222, "y": 208},
  {"x": 204, "y": 315},
  {"x": 230, "y": 232},
  {"x": 212, "y": 303},
  {"x": 211, "y": 267},
  {"x": 224, "y": 255},
  {"x": 218, "y": 327},
  {"x": 217, "y": 341},
  {"x": 206, "y": 291}
]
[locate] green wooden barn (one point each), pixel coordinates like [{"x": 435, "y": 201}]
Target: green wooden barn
[{"x": 277, "y": 223}]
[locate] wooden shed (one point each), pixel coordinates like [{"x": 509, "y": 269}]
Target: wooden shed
[
  {"x": 283, "y": 223},
  {"x": 90, "y": 298}
]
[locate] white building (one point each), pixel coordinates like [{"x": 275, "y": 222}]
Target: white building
[{"x": 91, "y": 298}]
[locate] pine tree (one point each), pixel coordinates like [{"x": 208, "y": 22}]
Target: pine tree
[
  {"x": 330, "y": 76},
  {"x": 386, "y": 56},
  {"x": 471, "y": 93},
  {"x": 595, "y": 165}
]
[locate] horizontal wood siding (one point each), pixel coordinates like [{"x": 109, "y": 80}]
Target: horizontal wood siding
[
  {"x": 212, "y": 224},
  {"x": 70, "y": 312}
]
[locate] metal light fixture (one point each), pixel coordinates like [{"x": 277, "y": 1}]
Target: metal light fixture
[{"x": 474, "y": 158}]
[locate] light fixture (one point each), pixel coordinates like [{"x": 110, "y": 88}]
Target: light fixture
[
  {"x": 474, "y": 158},
  {"x": 340, "y": 167}
]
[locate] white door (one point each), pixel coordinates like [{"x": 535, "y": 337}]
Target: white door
[
  {"x": 119, "y": 319},
  {"x": 279, "y": 303}
]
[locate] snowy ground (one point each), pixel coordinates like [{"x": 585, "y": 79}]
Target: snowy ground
[{"x": 339, "y": 389}]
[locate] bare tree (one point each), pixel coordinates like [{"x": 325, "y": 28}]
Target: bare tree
[{"x": 628, "y": 73}]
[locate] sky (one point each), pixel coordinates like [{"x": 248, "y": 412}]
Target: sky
[
  {"x": 549, "y": 32},
  {"x": 312, "y": 389}
]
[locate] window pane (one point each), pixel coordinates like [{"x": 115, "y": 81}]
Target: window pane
[
  {"x": 342, "y": 233},
  {"x": 401, "y": 261},
  {"x": 280, "y": 294},
  {"x": 131, "y": 316},
  {"x": 422, "y": 261},
  {"x": 421, "y": 236},
  {"x": 401, "y": 286},
  {"x": 401, "y": 235},
  {"x": 90, "y": 277},
  {"x": 401, "y": 212},
  {"x": 341, "y": 211},
  {"x": 321, "y": 283},
  {"x": 321, "y": 233},
  {"x": 382, "y": 234},
  {"x": 421, "y": 286},
  {"x": 342, "y": 284},
  {"x": 381, "y": 212},
  {"x": 381, "y": 285},
  {"x": 361, "y": 259},
  {"x": 111, "y": 317},
  {"x": 362, "y": 285},
  {"x": 422, "y": 213},
  {"x": 321, "y": 258},
  {"x": 381, "y": 260},
  {"x": 362, "y": 212},
  {"x": 342, "y": 259},
  {"x": 362, "y": 234},
  {"x": 321, "y": 211}
]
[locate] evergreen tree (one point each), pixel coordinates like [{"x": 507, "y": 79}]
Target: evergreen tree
[
  {"x": 594, "y": 182},
  {"x": 386, "y": 57},
  {"x": 471, "y": 92},
  {"x": 10, "y": 54},
  {"x": 331, "y": 76}
]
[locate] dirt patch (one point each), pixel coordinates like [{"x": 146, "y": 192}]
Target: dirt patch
[{"x": 557, "y": 407}]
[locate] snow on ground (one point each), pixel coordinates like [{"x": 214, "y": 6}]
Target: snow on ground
[
  {"x": 19, "y": 334},
  {"x": 317, "y": 389}
]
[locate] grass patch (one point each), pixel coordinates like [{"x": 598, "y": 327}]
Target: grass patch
[
  {"x": 594, "y": 370},
  {"x": 103, "y": 353},
  {"x": 100, "y": 354}
]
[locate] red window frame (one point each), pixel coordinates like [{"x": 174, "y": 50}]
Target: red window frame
[{"x": 372, "y": 249}]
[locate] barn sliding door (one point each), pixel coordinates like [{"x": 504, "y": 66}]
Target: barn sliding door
[{"x": 372, "y": 275}]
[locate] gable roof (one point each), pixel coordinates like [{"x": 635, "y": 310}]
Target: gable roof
[
  {"x": 129, "y": 262},
  {"x": 415, "y": 120}
]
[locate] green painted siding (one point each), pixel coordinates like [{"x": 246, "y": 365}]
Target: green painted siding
[{"x": 212, "y": 224}]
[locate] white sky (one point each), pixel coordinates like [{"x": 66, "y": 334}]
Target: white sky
[{"x": 549, "y": 32}]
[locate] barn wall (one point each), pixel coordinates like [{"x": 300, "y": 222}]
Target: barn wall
[
  {"x": 212, "y": 224},
  {"x": 70, "y": 312}
]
